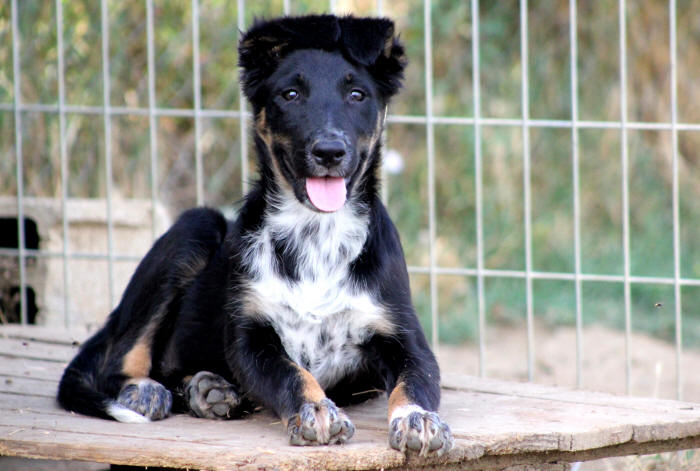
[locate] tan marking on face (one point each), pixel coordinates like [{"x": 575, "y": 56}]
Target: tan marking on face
[
  {"x": 398, "y": 398},
  {"x": 279, "y": 177},
  {"x": 261, "y": 122},
  {"x": 370, "y": 142},
  {"x": 137, "y": 363},
  {"x": 311, "y": 390},
  {"x": 270, "y": 140},
  {"x": 378, "y": 128},
  {"x": 268, "y": 137},
  {"x": 282, "y": 141},
  {"x": 262, "y": 130}
]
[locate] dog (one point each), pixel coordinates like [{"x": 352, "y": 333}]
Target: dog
[{"x": 302, "y": 304}]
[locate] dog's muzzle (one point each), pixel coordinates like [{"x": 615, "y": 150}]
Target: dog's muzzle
[
  {"x": 329, "y": 152},
  {"x": 329, "y": 157}
]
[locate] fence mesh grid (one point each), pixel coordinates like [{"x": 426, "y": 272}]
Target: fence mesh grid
[{"x": 477, "y": 122}]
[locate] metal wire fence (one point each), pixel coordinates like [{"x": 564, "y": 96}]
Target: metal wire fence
[{"x": 474, "y": 120}]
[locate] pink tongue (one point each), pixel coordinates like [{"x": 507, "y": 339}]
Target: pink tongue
[{"x": 326, "y": 193}]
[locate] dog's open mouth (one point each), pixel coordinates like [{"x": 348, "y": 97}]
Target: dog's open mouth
[{"x": 326, "y": 193}]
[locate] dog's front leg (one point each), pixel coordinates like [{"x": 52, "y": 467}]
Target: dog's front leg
[
  {"x": 318, "y": 420},
  {"x": 267, "y": 373},
  {"x": 413, "y": 426},
  {"x": 413, "y": 382}
]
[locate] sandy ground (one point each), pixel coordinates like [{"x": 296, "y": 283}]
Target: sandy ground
[
  {"x": 653, "y": 373},
  {"x": 653, "y": 361}
]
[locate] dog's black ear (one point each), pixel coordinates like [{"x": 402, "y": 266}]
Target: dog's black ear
[
  {"x": 266, "y": 42},
  {"x": 364, "y": 39},
  {"x": 371, "y": 42}
]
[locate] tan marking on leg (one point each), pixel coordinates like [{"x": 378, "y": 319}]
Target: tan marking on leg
[
  {"x": 398, "y": 398},
  {"x": 137, "y": 363},
  {"x": 311, "y": 390}
]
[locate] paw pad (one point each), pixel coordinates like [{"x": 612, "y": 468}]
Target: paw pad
[{"x": 210, "y": 396}]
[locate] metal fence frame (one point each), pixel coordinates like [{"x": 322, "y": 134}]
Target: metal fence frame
[{"x": 480, "y": 272}]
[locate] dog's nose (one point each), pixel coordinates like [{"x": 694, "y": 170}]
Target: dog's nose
[{"x": 328, "y": 152}]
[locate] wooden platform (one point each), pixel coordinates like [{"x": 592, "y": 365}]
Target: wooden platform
[{"x": 497, "y": 425}]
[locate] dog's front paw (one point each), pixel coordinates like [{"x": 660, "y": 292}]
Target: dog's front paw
[
  {"x": 210, "y": 396},
  {"x": 319, "y": 423},
  {"x": 415, "y": 429}
]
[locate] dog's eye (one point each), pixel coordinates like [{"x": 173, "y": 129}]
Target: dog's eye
[
  {"x": 357, "y": 95},
  {"x": 290, "y": 95}
]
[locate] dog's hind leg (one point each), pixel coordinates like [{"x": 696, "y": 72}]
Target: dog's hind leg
[
  {"x": 112, "y": 375},
  {"x": 144, "y": 396},
  {"x": 210, "y": 396}
]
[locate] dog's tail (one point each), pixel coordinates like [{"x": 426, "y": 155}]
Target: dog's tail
[{"x": 79, "y": 391}]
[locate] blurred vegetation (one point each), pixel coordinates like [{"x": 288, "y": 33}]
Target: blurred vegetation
[{"x": 600, "y": 167}]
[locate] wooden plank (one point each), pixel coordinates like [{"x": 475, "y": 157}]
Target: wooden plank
[
  {"x": 28, "y": 386},
  {"x": 16, "y": 403},
  {"x": 231, "y": 433},
  {"x": 46, "y": 444},
  {"x": 461, "y": 382},
  {"x": 156, "y": 440},
  {"x": 507, "y": 423},
  {"x": 497, "y": 424},
  {"x": 29, "y": 368},
  {"x": 366, "y": 451},
  {"x": 202, "y": 436},
  {"x": 38, "y": 350},
  {"x": 55, "y": 335},
  {"x": 559, "y": 460}
]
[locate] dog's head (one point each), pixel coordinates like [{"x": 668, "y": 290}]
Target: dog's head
[{"x": 319, "y": 86}]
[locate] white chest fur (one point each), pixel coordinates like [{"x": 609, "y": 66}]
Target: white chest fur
[{"x": 321, "y": 317}]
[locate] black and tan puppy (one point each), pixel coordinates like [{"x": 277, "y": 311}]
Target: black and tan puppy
[{"x": 304, "y": 300}]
